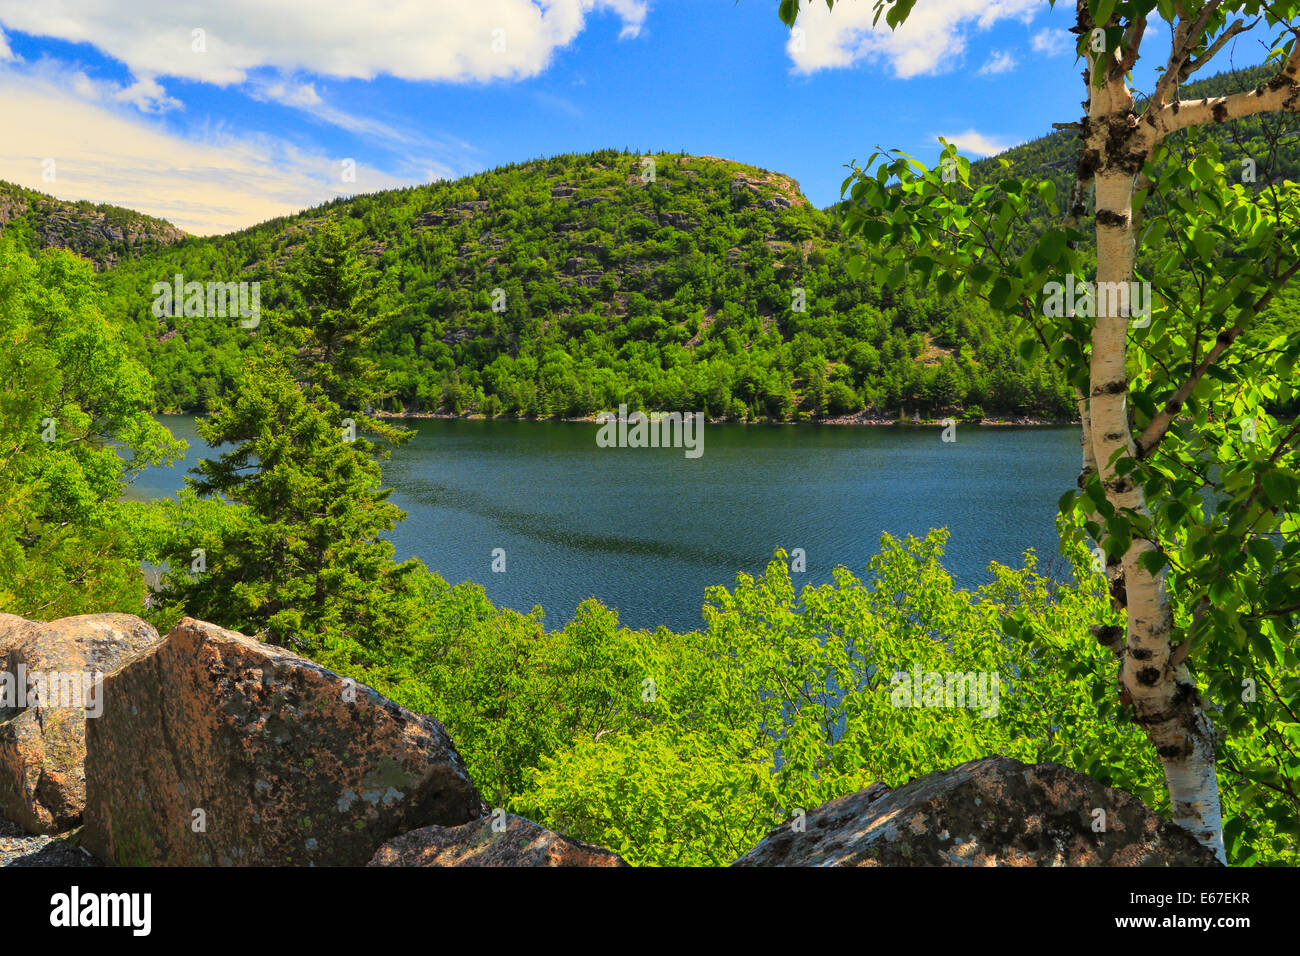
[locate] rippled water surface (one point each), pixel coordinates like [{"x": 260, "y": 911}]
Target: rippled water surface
[{"x": 645, "y": 530}]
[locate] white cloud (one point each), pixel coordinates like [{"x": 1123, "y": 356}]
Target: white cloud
[
  {"x": 633, "y": 13},
  {"x": 147, "y": 96},
  {"x": 299, "y": 95},
  {"x": 411, "y": 39},
  {"x": 144, "y": 94},
  {"x": 1051, "y": 42},
  {"x": 977, "y": 144},
  {"x": 211, "y": 180},
  {"x": 305, "y": 97},
  {"x": 5, "y": 52},
  {"x": 999, "y": 61},
  {"x": 931, "y": 41}
]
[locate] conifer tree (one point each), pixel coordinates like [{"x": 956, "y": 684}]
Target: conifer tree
[{"x": 306, "y": 565}]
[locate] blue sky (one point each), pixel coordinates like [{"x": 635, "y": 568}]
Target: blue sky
[{"x": 220, "y": 115}]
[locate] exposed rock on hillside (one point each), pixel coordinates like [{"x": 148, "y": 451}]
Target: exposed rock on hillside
[
  {"x": 43, "y": 738},
  {"x": 104, "y": 234},
  {"x": 512, "y": 842},
  {"x": 989, "y": 812},
  {"x": 217, "y": 749}
]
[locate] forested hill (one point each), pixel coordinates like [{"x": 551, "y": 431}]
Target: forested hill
[
  {"x": 104, "y": 234},
  {"x": 571, "y": 284},
  {"x": 566, "y": 285}
]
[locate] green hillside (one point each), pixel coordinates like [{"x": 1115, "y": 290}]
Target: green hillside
[
  {"x": 1259, "y": 150},
  {"x": 566, "y": 285},
  {"x": 104, "y": 234},
  {"x": 677, "y": 293}
]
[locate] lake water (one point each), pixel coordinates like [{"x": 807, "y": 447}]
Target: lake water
[{"x": 646, "y": 530}]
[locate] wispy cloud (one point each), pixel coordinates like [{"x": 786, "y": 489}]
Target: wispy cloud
[
  {"x": 978, "y": 144},
  {"x": 209, "y": 179},
  {"x": 999, "y": 62},
  {"x": 1051, "y": 42},
  {"x": 385, "y": 136},
  {"x": 287, "y": 92},
  {"x": 148, "y": 96},
  {"x": 558, "y": 103}
]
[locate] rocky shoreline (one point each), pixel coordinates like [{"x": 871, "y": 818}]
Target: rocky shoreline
[{"x": 857, "y": 418}]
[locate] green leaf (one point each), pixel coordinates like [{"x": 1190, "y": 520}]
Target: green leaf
[
  {"x": 873, "y": 230},
  {"x": 1052, "y": 245},
  {"x": 1262, "y": 550},
  {"x": 1279, "y": 488},
  {"x": 1153, "y": 561},
  {"x": 1000, "y": 292}
]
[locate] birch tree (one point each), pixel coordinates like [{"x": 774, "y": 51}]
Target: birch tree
[{"x": 1188, "y": 483}]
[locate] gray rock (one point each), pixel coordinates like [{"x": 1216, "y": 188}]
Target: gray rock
[{"x": 994, "y": 811}]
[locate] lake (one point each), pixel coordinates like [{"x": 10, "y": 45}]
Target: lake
[{"x": 646, "y": 530}]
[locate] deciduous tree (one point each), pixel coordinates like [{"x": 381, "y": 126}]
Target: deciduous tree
[{"x": 1189, "y": 483}]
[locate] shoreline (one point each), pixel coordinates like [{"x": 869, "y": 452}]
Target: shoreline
[{"x": 858, "y": 418}]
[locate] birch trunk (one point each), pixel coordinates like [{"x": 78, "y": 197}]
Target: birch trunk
[{"x": 1164, "y": 696}]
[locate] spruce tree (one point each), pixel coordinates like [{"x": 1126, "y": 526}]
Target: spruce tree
[{"x": 305, "y": 565}]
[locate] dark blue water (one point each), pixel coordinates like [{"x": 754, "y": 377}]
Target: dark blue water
[{"x": 646, "y": 530}]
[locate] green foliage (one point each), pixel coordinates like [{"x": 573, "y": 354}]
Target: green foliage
[
  {"x": 677, "y": 294},
  {"x": 686, "y": 748},
  {"x": 1222, "y": 480},
  {"x": 72, "y": 399},
  {"x": 301, "y": 561},
  {"x": 1207, "y": 378}
]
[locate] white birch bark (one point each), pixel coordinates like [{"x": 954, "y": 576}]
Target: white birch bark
[{"x": 1165, "y": 700}]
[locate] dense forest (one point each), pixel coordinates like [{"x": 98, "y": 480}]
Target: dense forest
[
  {"x": 563, "y": 286},
  {"x": 568, "y": 285}
]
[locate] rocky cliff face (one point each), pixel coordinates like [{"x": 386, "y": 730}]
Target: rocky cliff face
[
  {"x": 100, "y": 233},
  {"x": 207, "y": 747}
]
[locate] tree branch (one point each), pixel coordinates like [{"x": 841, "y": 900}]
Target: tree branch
[
  {"x": 1191, "y": 66},
  {"x": 1132, "y": 43},
  {"x": 1280, "y": 94},
  {"x": 1187, "y": 37}
]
